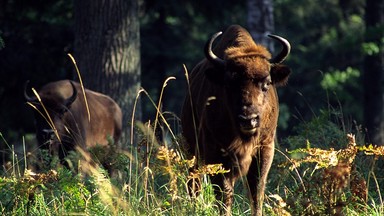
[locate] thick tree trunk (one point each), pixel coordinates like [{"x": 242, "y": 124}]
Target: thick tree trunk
[
  {"x": 374, "y": 72},
  {"x": 260, "y": 21},
  {"x": 107, "y": 51}
]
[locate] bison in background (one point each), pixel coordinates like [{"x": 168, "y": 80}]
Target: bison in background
[
  {"x": 230, "y": 113},
  {"x": 66, "y": 107}
]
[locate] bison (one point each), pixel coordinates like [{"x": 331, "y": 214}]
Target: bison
[
  {"x": 62, "y": 122},
  {"x": 230, "y": 113}
]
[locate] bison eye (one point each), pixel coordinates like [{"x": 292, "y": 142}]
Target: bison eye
[{"x": 265, "y": 86}]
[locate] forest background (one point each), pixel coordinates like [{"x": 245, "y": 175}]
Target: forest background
[
  {"x": 335, "y": 90},
  {"x": 327, "y": 58}
]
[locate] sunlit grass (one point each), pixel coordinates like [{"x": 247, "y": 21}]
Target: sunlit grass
[{"x": 151, "y": 178}]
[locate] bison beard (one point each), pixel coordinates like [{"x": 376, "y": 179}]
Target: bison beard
[{"x": 237, "y": 127}]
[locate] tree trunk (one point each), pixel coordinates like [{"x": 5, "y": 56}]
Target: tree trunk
[
  {"x": 260, "y": 21},
  {"x": 107, "y": 51},
  {"x": 374, "y": 72}
]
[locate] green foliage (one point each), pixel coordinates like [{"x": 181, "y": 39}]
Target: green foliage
[
  {"x": 319, "y": 132},
  {"x": 319, "y": 175},
  {"x": 2, "y": 44},
  {"x": 172, "y": 34},
  {"x": 371, "y": 48},
  {"x": 43, "y": 192},
  {"x": 325, "y": 172},
  {"x": 335, "y": 80},
  {"x": 330, "y": 41}
]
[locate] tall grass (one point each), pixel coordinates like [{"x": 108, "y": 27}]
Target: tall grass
[{"x": 151, "y": 177}]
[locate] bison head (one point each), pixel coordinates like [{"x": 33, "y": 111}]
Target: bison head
[
  {"x": 50, "y": 108},
  {"x": 249, "y": 77}
]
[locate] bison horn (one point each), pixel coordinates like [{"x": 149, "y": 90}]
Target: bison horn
[
  {"x": 26, "y": 96},
  {"x": 284, "y": 52},
  {"x": 71, "y": 99},
  {"x": 210, "y": 55}
]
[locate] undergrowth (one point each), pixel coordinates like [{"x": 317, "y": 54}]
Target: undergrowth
[
  {"x": 322, "y": 170},
  {"x": 326, "y": 171}
]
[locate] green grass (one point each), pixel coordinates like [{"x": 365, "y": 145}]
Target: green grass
[
  {"x": 322, "y": 172},
  {"x": 160, "y": 188}
]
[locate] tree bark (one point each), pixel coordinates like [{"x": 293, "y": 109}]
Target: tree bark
[
  {"x": 107, "y": 51},
  {"x": 374, "y": 73},
  {"x": 260, "y": 21}
]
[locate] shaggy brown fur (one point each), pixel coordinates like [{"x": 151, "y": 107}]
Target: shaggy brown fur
[
  {"x": 224, "y": 102},
  {"x": 71, "y": 118}
]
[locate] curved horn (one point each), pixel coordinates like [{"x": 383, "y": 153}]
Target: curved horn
[
  {"x": 26, "y": 96},
  {"x": 71, "y": 99},
  {"x": 210, "y": 55},
  {"x": 284, "y": 52}
]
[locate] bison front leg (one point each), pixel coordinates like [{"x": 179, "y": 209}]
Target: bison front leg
[
  {"x": 257, "y": 177},
  {"x": 224, "y": 191}
]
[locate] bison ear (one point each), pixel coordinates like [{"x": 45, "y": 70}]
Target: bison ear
[{"x": 280, "y": 74}]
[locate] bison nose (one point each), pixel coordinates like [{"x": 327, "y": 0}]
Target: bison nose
[
  {"x": 250, "y": 120},
  {"x": 249, "y": 123}
]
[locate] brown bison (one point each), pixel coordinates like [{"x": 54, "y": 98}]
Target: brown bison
[
  {"x": 70, "y": 125},
  {"x": 230, "y": 113}
]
